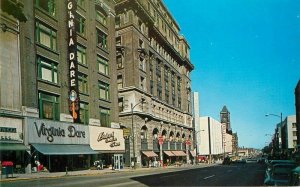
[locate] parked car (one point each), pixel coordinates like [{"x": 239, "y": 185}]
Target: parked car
[
  {"x": 226, "y": 161},
  {"x": 279, "y": 174},
  {"x": 295, "y": 177}
]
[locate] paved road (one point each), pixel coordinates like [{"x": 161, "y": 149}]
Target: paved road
[{"x": 232, "y": 175}]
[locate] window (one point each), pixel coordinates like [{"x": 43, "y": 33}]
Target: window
[
  {"x": 143, "y": 83},
  {"x": 119, "y": 41},
  {"x": 46, "y": 5},
  {"x": 118, "y": 21},
  {"x": 142, "y": 63},
  {"x": 80, "y": 24},
  {"x": 81, "y": 55},
  {"x": 81, "y": 3},
  {"x": 103, "y": 90},
  {"x": 294, "y": 125},
  {"x": 48, "y": 106},
  {"x": 102, "y": 65},
  {"x": 179, "y": 103},
  {"x": 100, "y": 16},
  {"x": 83, "y": 84},
  {"x": 84, "y": 113},
  {"x": 119, "y": 60},
  {"x": 104, "y": 117},
  {"x": 47, "y": 70},
  {"x": 101, "y": 39},
  {"x": 46, "y": 36},
  {"x": 121, "y": 104},
  {"x": 120, "y": 81},
  {"x": 294, "y": 133}
]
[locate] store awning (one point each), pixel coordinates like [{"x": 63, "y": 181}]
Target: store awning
[
  {"x": 149, "y": 153},
  {"x": 193, "y": 153},
  {"x": 169, "y": 153},
  {"x": 179, "y": 153},
  {"x": 58, "y": 149},
  {"x": 13, "y": 147}
]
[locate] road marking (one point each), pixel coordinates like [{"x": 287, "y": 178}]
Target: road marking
[
  {"x": 130, "y": 183},
  {"x": 169, "y": 176},
  {"x": 208, "y": 177}
]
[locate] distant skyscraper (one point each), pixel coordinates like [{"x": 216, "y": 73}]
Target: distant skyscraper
[
  {"x": 297, "y": 103},
  {"x": 225, "y": 118}
]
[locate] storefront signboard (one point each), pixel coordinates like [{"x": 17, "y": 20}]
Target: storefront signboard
[
  {"x": 11, "y": 130},
  {"x": 56, "y": 132},
  {"x": 106, "y": 139}
]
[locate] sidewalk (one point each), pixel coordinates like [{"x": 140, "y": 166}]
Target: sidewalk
[{"x": 83, "y": 172}]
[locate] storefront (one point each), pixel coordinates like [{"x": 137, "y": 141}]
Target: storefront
[
  {"x": 110, "y": 144},
  {"x": 59, "y": 146},
  {"x": 149, "y": 159},
  {"x": 12, "y": 146}
]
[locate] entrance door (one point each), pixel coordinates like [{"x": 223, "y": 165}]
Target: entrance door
[{"x": 118, "y": 161}]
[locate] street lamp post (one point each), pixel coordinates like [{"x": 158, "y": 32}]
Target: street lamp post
[{"x": 133, "y": 131}]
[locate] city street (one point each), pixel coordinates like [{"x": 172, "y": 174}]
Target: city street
[{"x": 250, "y": 174}]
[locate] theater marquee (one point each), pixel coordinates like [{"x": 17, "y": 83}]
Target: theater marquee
[{"x": 72, "y": 58}]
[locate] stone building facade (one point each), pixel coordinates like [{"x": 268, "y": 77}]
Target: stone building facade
[
  {"x": 153, "y": 78},
  {"x": 35, "y": 76}
]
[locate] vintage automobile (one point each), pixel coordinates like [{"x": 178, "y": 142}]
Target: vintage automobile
[
  {"x": 295, "y": 177},
  {"x": 273, "y": 162},
  {"x": 279, "y": 174}
]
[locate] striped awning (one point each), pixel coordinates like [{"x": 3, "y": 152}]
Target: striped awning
[
  {"x": 179, "y": 153},
  {"x": 149, "y": 153},
  {"x": 169, "y": 153}
]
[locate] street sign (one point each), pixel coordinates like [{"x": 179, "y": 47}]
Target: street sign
[
  {"x": 126, "y": 132},
  {"x": 160, "y": 140}
]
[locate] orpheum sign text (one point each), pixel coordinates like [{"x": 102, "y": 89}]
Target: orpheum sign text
[{"x": 72, "y": 58}]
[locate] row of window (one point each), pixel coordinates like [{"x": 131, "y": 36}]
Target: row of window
[
  {"x": 49, "y": 109},
  {"x": 47, "y": 36},
  {"x": 49, "y": 7},
  {"x": 47, "y": 70}
]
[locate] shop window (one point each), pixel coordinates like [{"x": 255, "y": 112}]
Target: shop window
[
  {"x": 83, "y": 84},
  {"x": 101, "y": 16},
  {"x": 101, "y": 40},
  {"x": 80, "y": 24},
  {"x": 48, "y": 106},
  {"x": 84, "y": 113},
  {"x": 102, "y": 65},
  {"x": 46, "y": 36},
  {"x": 81, "y": 55},
  {"x": 46, "y": 5},
  {"x": 47, "y": 70},
  {"x": 104, "y": 117},
  {"x": 104, "y": 90}
]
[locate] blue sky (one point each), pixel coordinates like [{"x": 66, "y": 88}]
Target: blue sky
[{"x": 247, "y": 56}]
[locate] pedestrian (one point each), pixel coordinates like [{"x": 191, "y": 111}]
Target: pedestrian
[{"x": 132, "y": 164}]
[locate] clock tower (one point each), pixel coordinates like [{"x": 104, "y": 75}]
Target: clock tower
[{"x": 225, "y": 119}]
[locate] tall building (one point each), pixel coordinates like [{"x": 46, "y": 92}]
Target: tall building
[
  {"x": 58, "y": 85},
  {"x": 235, "y": 144},
  {"x": 289, "y": 134},
  {"x": 225, "y": 118},
  {"x": 297, "y": 103},
  {"x": 211, "y": 138},
  {"x": 153, "y": 79},
  {"x": 196, "y": 115}
]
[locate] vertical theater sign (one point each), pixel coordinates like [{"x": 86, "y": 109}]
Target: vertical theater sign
[{"x": 72, "y": 59}]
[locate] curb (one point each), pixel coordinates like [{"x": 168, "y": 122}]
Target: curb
[{"x": 88, "y": 174}]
